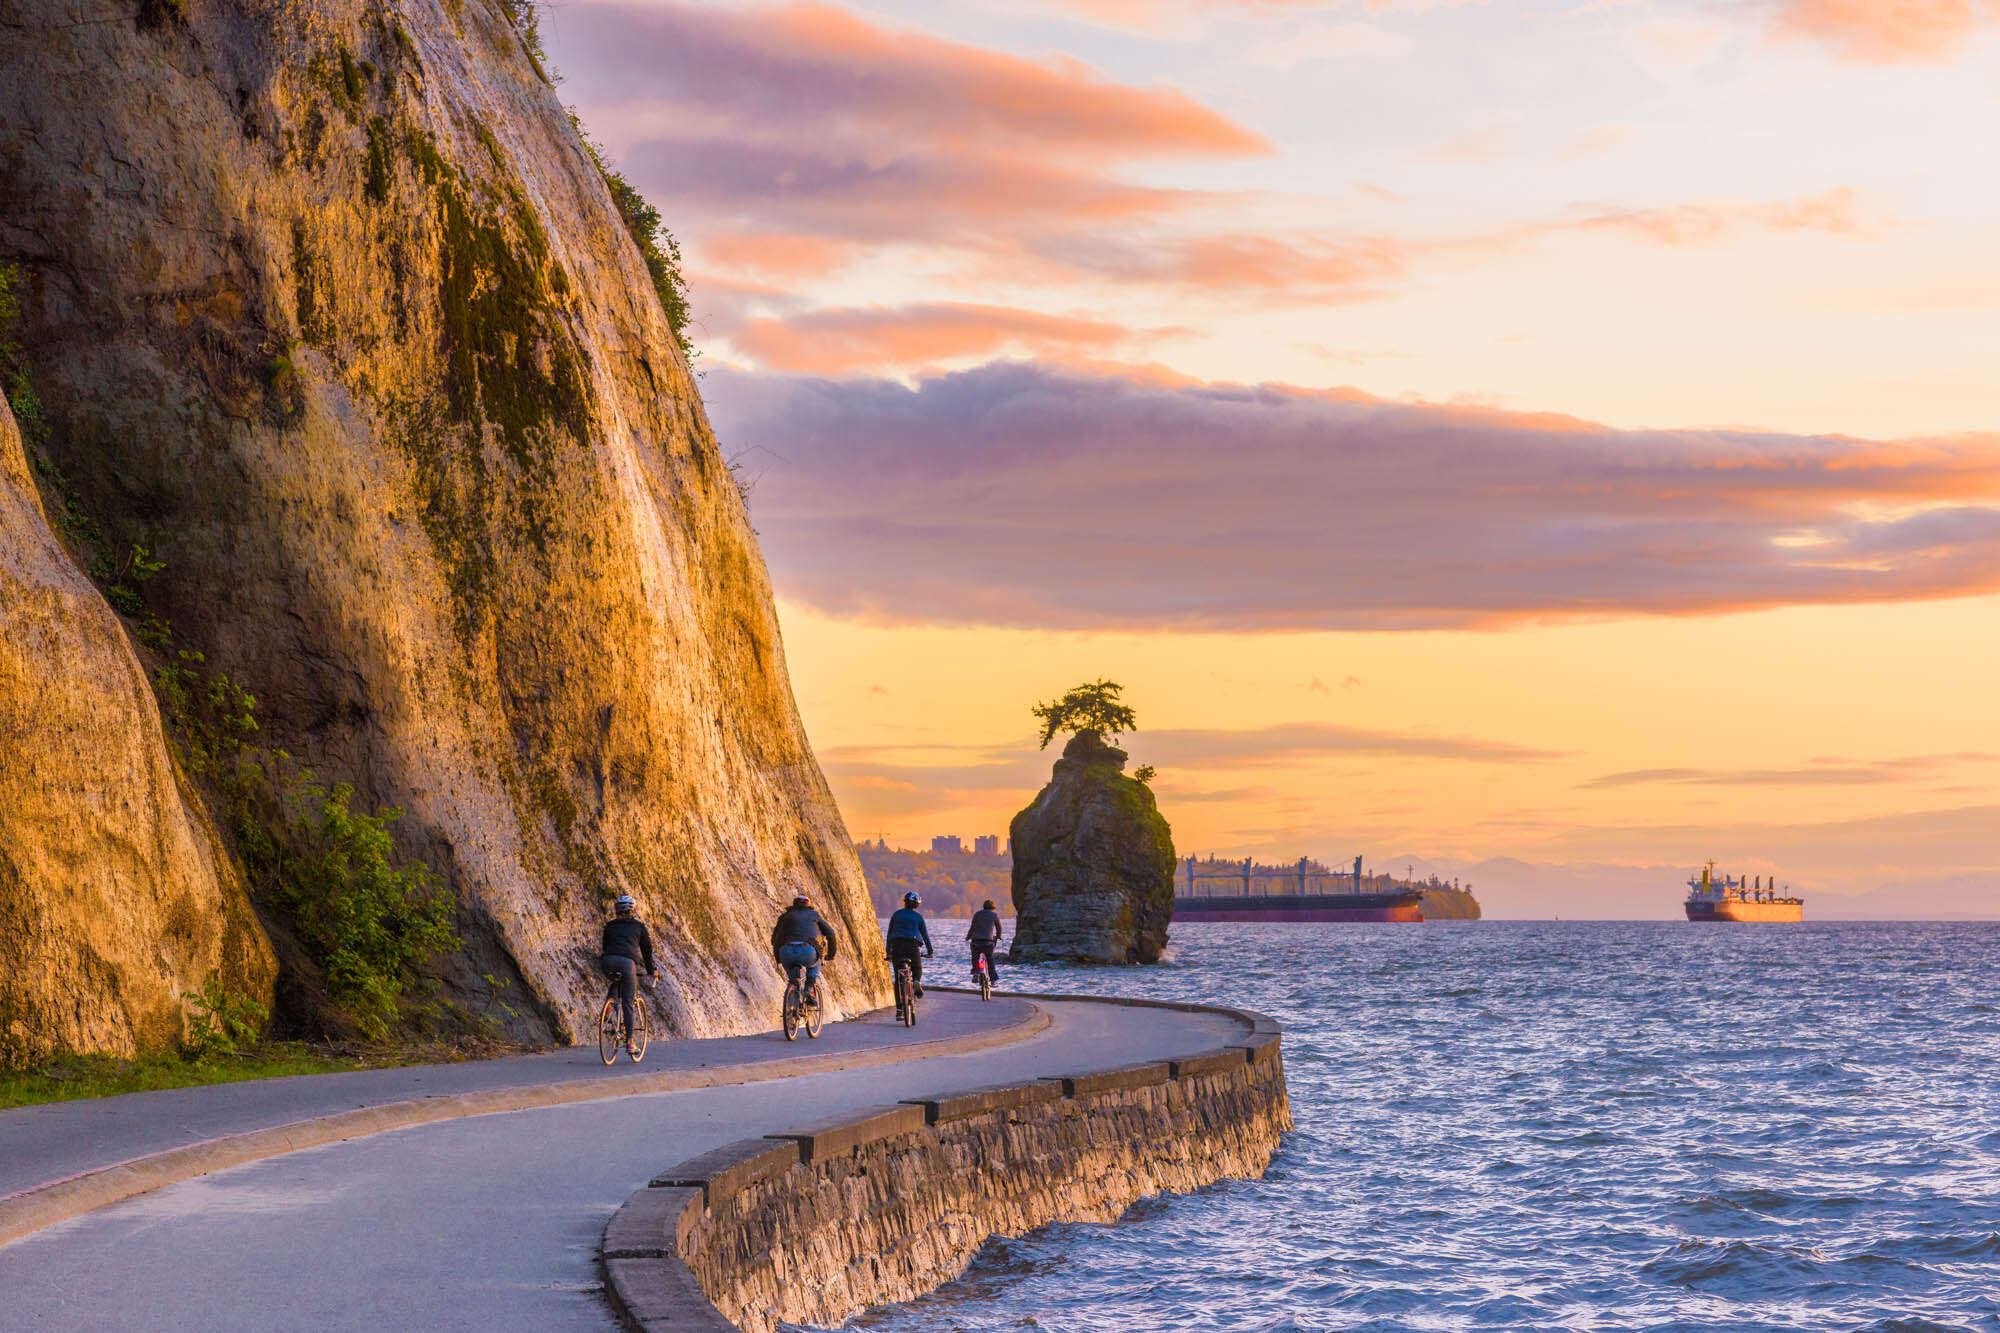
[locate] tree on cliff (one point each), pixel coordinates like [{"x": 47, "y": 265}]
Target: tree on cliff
[{"x": 1092, "y": 707}]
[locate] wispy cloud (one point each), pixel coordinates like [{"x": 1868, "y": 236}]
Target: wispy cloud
[
  {"x": 1296, "y": 741},
  {"x": 788, "y": 143},
  {"x": 835, "y": 341},
  {"x": 1030, "y": 495},
  {"x": 1820, "y": 773},
  {"x": 1885, "y": 32},
  {"x": 791, "y": 133}
]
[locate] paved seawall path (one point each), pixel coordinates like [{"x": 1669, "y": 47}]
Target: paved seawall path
[{"x": 490, "y": 1221}]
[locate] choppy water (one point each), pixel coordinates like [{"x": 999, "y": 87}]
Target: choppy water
[{"x": 1579, "y": 1126}]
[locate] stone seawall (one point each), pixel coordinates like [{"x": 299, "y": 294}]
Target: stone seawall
[{"x": 817, "y": 1224}]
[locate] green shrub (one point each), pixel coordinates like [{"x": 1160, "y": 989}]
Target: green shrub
[
  {"x": 366, "y": 922},
  {"x": 222, "y": 1021},
  {"x": 657, "y": 245},
  {"x": 211, "y": 718}
]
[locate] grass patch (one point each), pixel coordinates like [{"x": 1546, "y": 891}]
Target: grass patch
[
  {"x": 79, "y": 1077},
  {"x": 74, "y": 1077}
]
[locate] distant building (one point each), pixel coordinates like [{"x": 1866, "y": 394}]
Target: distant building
[
  {"x": 948, "y": 843},
  {"x": 986, "y": 844}
]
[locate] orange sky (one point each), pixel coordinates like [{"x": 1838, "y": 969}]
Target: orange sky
[{"x": 1536, "y": 431}]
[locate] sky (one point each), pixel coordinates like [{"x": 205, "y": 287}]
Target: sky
[{"x": 1548, "y": 443}]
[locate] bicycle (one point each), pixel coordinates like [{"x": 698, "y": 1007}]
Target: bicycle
[
  {"x": 803, "y": 1004},
  {"x": 611, "y": 1028},
  {"x": 906, "y": 996},
  {"x": 983, "y": 975}
]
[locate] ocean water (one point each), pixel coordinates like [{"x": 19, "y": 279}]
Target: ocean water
[{"x": 1564, "y": 1126}]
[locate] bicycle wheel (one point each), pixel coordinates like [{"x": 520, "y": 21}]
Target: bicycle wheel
[
  {"x": 902, "y": 993},
  {"x": 909, "y": 984},
  {"x": 791, "y": 1011},
  {"x": 610, "y": 1032},
  {"x": 985, "y": 984},
  {"x": 642, "y": 1030},
  {"x": 815, "y": 1011}
]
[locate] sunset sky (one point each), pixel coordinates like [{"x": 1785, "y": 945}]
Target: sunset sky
[{"x": 1551, "y": 440}]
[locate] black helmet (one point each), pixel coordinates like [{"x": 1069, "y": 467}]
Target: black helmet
[
  {"x": 988, "y": 904},
  {"x": 911, "y": 900}
]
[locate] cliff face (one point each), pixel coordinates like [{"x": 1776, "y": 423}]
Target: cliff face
[
  {"x": 114, "y": 898},
  {"x": 1093, "y": 864},
  {"x": 332, "y": 312}
]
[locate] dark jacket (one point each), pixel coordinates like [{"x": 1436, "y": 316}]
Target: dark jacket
[
  {"x": 801, "y": 925},
  {"x": 628, "y": 936},
  {"x": 985, "y": 925},
  {"x": 908, "y": 924}
]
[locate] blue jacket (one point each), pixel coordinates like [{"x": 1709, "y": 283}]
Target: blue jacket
[{"x": 908, "y": 924}]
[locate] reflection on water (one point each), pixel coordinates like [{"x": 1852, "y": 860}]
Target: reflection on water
[{"x": 1565, "y": 1125}]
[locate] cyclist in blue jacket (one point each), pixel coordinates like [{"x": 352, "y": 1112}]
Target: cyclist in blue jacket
[{"x": 908, "y": 934}]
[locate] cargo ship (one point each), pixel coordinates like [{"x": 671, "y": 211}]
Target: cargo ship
[
  {"x": 1228, "y": 891},
  {"x": 1733, "y": 899}
]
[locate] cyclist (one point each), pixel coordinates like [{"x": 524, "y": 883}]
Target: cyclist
[
  {"x": 627, "y": 943},
  {"x": 798, "y": 941},
  {"x": 985, "y": 937},
  {"x": 907, "y": 932}
]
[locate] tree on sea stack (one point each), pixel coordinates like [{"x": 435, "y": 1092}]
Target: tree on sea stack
[{"x": 1093, "y": 858}]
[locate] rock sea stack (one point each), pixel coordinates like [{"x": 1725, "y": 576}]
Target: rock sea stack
[{"x": 1093, "y": 864}]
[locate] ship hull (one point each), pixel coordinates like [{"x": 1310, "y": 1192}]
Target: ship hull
[
  {"x": 1396, "y": 907},
  {"x": 1739, "y": 911}
]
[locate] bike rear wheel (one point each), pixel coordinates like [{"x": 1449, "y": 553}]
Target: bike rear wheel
[
  {"x": 815, "y": 1012},
  {"x": 642, "y": 1029},
  {"x": 791, "y": 1013},
  {"x": 906, "y": 997},
  {"x": 610, "y": 1030},
  {"x": 985, "y": 984}
]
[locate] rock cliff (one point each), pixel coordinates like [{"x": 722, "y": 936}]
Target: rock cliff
[
  {"x": 115, "y": 899},
  {"x": 1093, "y": 864},
  {"x": 331, "y": 311}
]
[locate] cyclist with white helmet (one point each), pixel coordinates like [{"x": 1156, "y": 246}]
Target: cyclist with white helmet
[
  {"x": 627, "y": 944},
  {"x": 908, "y": 938}
]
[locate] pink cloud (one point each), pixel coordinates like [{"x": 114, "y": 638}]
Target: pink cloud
[
  {"x": 1885, "y": 32},
  {"x": 836, "y": 341},
  {"x": 788, "y": 142},
  {"x": 1028, "y": 495}
]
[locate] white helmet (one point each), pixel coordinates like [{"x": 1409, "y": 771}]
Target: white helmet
[{"x": 623, "y": 903}]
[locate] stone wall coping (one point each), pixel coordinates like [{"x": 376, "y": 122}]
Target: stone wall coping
[
  {"x": 1210, "y": 1062},
  {"x": 1111, "y": 1080},
  {"x": 732, "y": 1168},
  {"x": 1262, "y": 1046},
  {"x": 1260, "y": 1024},
  {"x": 843, "y": 1133},
  {"x": 985, "y": 1101},
  {"x": 661, "y": 1293},
  {"x": 654, "y": 1222}
]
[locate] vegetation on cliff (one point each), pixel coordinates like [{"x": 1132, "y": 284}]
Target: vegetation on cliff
[{"x": 373, "y": 423}]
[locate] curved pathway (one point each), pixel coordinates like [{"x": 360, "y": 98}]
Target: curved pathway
[
  {"x": 40, "y": 1144},
  {"x": 490, "y": 1222}
]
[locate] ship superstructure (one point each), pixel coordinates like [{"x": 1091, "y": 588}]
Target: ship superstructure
[{"x": 1729, "y": 898}]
